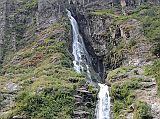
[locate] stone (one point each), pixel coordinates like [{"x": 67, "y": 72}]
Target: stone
[
  {"x": 107, "y": 83},
  {"x": 83, "y": 91},
  {"x": 18, "y": 117},
  {"x": 12, "y": 87},
  {"x": 132, "y": 107},
  {"x": 88, "y": 104},
  {"x": 79, "y": 113},
  {"x": 148, "y": 84}
]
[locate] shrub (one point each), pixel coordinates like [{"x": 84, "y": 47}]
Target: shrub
[
  {"x": 44, "y": 105},
  {"x": 154, "y": 70},
  {"x": 143, "y": 111}
]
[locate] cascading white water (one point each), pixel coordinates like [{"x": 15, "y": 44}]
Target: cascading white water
[
  {"x": 82, "y": 63},
  {"x": 103, "y": 106}
]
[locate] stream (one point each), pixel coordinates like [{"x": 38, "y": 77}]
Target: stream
[{"x": 83, "y": 64}]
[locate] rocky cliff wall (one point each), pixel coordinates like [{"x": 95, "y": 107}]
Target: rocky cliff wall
[
  {"x": 31, "y": 31},
  {"x": 2, "y": 26},
  {"x": 104, "y": 35},
  {"x": 17, "y": 16}
]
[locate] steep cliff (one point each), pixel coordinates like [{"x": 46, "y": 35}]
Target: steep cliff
[
  {"x": 37, "y": 79},
  {"x": 131, "y": 42}
]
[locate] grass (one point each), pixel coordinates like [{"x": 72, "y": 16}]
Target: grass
[
  {"x": 44, "y": 70},
  {"x": 118, "y": 72},
  {"x": 143, "y": 111},
  {"x": 123, "y": 97},
  {"x": 149, "y": 15},
  {"x": 46, "y": 105},
  {"x": 154, "y": 70},
  {"x": 123, "y": 91}
]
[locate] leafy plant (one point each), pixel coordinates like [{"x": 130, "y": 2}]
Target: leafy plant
[{"x": 143, "y": 111}]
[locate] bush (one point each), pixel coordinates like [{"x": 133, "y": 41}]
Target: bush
[
  {"x": 143, "y": 111},
  {"x": 45, "y": 105},
  {"x": 123, "y": 96},
  {"x": 156, "y": 50},
  {"x": 154, "y": 70}
]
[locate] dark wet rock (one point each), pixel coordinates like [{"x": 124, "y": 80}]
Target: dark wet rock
[
  {"x": 148, "y": 84},
  {"x": 84, "y": 100},
  {"x": 77, "y": 96},
  {"x": 73, "y": 80},
  {"x": 119, "y": 77},
  {"x": 89, "y": 104},
  {"x": 132, "y": 107},
  {"x": 107, "y": 83},
  {"x": 78, "y": 104},
  {"x": 83, "y": 91},
  {"x": 80, "y": 113},
  {"x": 97, "y": 32}
]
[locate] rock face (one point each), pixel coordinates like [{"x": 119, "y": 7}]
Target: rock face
[
  {"x": 84, "y": 98},
  {"x": 146, "y": 92},
  {"x": 22, "y": 21},
  {"x": 101, "y": 35},
  {"x": 2, "y": 25},
  {"x": 19, "y": 19},
  {"x": 50, "y": 11}
]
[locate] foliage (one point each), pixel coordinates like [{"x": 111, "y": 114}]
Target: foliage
[
  {"x": 151, "y": 21},
  {"x": 154, "y": 70},
  {"x": 44, "y": 70},
  {"x": 143, "y": 111},
  {"x": 103, "y": 12},
  {"x": 123, "y": 96},
  {"x": 49, "y": 105},
  {"x": 118, "y": 72},
  {"x": 156, "y": 50},
  {"x": 149, "y": 15}
]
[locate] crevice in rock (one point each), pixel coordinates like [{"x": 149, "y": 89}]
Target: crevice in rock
[{"x": 97, "y": 61}]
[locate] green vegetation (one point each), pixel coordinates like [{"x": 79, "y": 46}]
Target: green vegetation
[
  {"x": 150, "y": 18},
  {"x": 107, "y": 12},
  {"x": 42, "y": 66},
  {"x": 118, "y": 72},
  {"x": 44, "y": 70},
  {"x": 143, "y": 111},
  {"x": 123, "y": 96},
  {"x": 50, "y": 104},
  {"x": 154, "y": 70},
  {"x": 148, "y": 14},
  {"x": 20, "y": 19}
]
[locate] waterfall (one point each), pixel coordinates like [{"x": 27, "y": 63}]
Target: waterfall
[
  {"x": 82, "y": 61},
  {"x": 103, "y": 105},
  {"x": 82, "y": 64}
]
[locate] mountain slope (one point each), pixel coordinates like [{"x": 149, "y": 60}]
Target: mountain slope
[{"x": 37, "y": 78}]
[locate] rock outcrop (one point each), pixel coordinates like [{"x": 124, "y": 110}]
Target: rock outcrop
[
  {"x": 112, "y": 40},
  {"x": 2, "y": 25},
  {"x": 102, "y": 34}
]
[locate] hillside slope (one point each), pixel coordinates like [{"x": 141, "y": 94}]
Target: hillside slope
[{"x": 37, "y": 79}]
